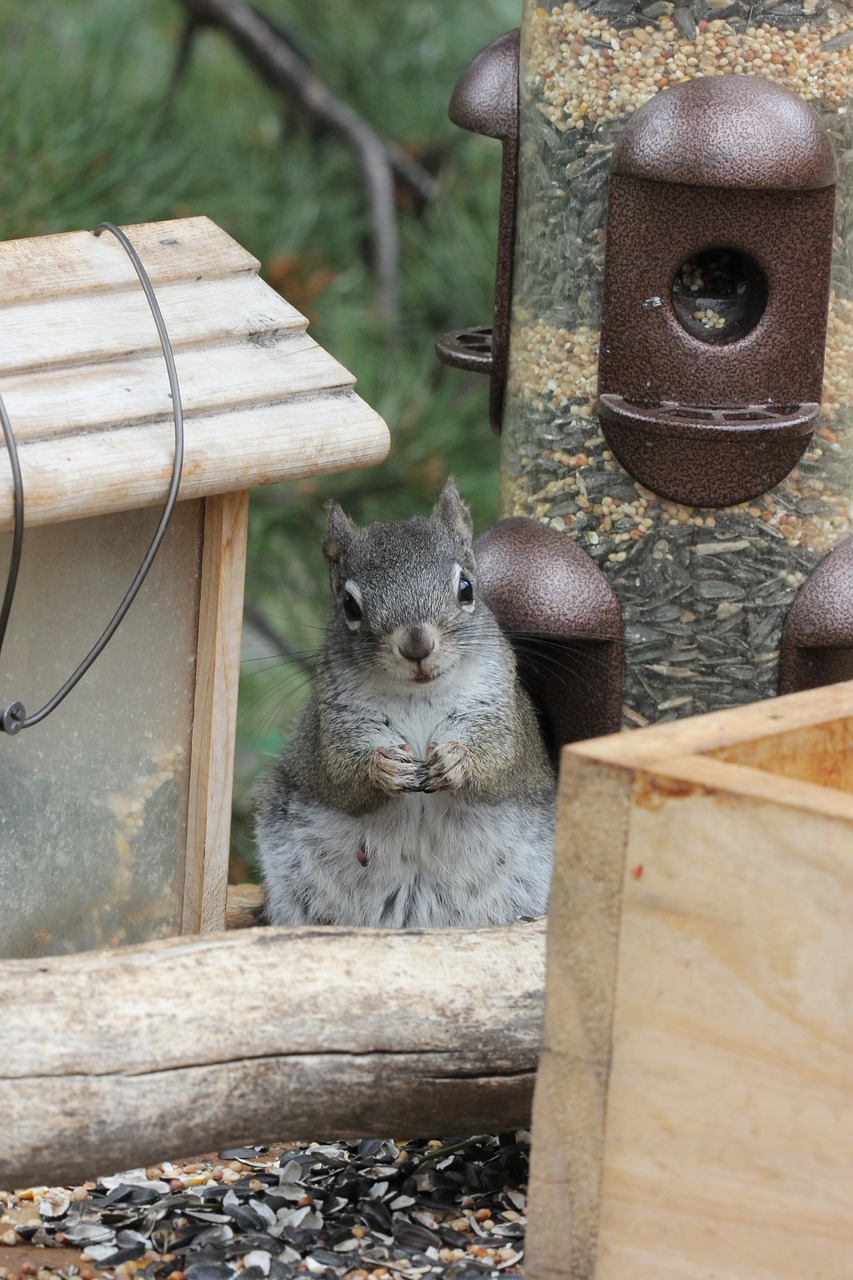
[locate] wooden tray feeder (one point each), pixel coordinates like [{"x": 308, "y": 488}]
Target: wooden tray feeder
[
  {"x": 693, "y": 1112},
  {"x": 115, "y": 812}
]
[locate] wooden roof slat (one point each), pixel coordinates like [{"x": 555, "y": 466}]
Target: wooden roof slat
[
  {"x": 87, "y": 389},
  {"x": 89, "y": 327},
  {"x": 129, "y": 467},
  {"x": 80, "y": 262},
  {"x": 94, "y": 398}
]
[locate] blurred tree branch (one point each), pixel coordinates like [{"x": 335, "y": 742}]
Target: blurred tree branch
[{"x": 278, "y": 59}]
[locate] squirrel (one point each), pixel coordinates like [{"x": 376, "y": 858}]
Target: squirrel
[{"x": 416, "y": 790}]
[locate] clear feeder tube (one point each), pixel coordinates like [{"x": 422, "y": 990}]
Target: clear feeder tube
[{"x": 704, "y": 592}]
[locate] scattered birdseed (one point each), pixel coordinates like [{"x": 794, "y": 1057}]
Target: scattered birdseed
[{"x": 377, "y": 1209}]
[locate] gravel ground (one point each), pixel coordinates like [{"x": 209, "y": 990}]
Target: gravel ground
[{"x": 370, "y": 1210}]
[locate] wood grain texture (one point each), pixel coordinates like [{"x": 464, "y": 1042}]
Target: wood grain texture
[
  {"x": 92, "y": 328},
  {"x": 87, "y": 390},
  {"x": 213, "y": 379},
  {"x": 722, "y": 731},
  {"x": 111, "y": 1060},
  {"x": 817, "y": 753},
  {"x": 215, "y": 711},
  {"x": 243, "y": 906},
  {"x": 727, "y": 1146},
  {"x": 80, "y": 262},
  {"x": 571, "y": 1089},
  {"x": 93, "y": 474}
]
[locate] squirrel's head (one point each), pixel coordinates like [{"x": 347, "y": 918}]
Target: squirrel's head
[{"x": 406, "y": 591}]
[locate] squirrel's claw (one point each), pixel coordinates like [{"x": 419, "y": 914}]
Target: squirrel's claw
[
  {"x": 447, "y": 766},
  {"x": 394, "y": 769}
]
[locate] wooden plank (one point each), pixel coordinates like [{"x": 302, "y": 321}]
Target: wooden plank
[
  {"x": 817, "y": 753},
  {"x": 215, "y": 711},
  {"x": 244, "y": 905},
  {"x": 111, "y": 1060},
  {"x": 97, "y": 436},
  {"x": 28, "y": 1259},
  {"x": 130, "y": 467},
  {"x": 80, "y": 262},
  {"x": 729, "y": 1148},
  {"x": 213, "y": 379},
  {"x": 707, "y": 773},
  {"x": 88, "y": 328}
]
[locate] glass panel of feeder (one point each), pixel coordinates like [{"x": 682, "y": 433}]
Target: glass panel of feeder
[
  {"x": 94, "y": 798},
  {"x": 704, "y": 591}
]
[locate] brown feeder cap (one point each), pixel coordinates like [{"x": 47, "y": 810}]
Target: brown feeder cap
[
  {"x": 817, "y": 638},
  {"x": 728, "y": 131},
  {"x": 485, "y": 99},
  {"x": 565, "y": 624}
]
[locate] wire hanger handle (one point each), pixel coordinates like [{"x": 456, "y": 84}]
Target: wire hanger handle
[{"x": 13, "y": 717}]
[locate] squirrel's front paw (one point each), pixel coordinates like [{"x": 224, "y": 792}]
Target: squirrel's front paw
[
  {"x": 447, "y": 766},
  {"x": 394, "y": 768}
]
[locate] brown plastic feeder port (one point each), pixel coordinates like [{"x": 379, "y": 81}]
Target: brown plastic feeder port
[
  {"x": 817, "y": 638},
  {"x": 485, "y": 101},
  {"x": 565, "y": 624},
  {"x": 719, "y": 237}
]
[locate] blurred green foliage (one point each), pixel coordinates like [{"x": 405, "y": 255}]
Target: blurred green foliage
[{"x": 86, "y": 134}]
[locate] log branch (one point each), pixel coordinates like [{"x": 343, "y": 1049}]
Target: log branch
[{"x": 110, "y": 1060}]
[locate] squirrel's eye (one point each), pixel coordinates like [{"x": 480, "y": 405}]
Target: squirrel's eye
[
  {"x": 352, "y": 609},
  {"x": 465, "y": 591}
]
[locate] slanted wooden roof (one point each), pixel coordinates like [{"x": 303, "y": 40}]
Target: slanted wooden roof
[{"x": 86, "y": 387}]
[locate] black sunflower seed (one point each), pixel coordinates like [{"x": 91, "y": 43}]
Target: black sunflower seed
[{"x": 413, "y": 1235}]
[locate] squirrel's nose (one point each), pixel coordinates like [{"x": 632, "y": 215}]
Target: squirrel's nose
[{"x": 417, "y": 644}]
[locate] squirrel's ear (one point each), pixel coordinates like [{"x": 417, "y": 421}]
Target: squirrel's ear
[
  {"x": 451, "y": 511},
  {"x": 339, "y": 536}
]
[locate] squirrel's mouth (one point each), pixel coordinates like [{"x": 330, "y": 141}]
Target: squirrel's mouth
[{"x": 425, "y": 677}]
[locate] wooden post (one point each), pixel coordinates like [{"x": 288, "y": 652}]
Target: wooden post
[{"x": 215, "y": 711}]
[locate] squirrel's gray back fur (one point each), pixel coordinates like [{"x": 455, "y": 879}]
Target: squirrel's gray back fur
[{"x": 416, "y": 790}]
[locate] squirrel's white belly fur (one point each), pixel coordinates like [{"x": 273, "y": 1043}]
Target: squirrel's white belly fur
[
  {"x": 418, "y": 861},
  {"x": 418, "y": 720}
]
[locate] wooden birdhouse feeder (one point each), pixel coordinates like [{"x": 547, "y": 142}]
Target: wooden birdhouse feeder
[{"x": 115, "y": 811}]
